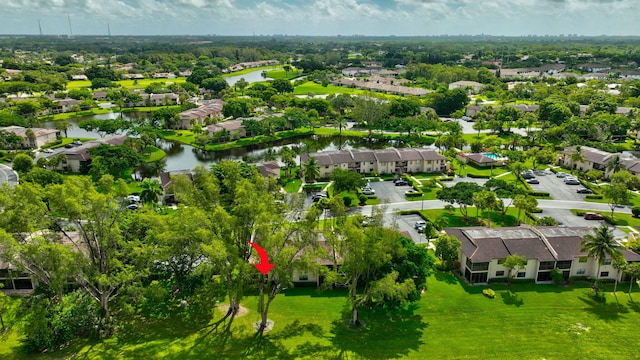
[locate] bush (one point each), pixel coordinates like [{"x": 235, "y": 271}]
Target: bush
[
  {"x": 446, "y": 178},
  {"x": 539, "y": 194},
  {"x": 635, "y": 211},
  {"x": 556, "y": 276},
  {"x": 347, "y": 200},
  {"x": 489, "y": 293},
  {"x": 594, "y": 197},
  {"x": 312, "y": 187},
  {"x": 580, "y": 212},
  {"x": 547, "y": 221},
  {"x": 475, "y": 176},
  {"x": 48, "y": 326},
  {"x": 362, "y": 198},
  {"x": 413, "y": 194},
  {"x": 536, "y": 210}
]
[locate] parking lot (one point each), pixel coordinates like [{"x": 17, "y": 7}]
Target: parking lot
[
  {"x": 387, "y": 192},
  {"x": 556, "y": 187},
  {"x": 407, "y": 222}
]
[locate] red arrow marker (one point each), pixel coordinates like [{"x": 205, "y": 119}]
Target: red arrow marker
[{"x": 264, "y": 267}]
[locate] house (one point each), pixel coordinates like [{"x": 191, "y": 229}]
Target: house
[
  {"x": 159, "y": 99},
  {"x": 480, "y": 160},
  {"x": 594, "y": 68},
  {"x": 164, "y": 75},
  {"x": 473, "y": 85},
  {"x": 208, "y": 110},
  {"x": 234, "y": 127},
  {"x": 133, "y": 76},
  {"x": 386, "y": 161},
  {"x": 166, "y": 178},
  {"x": 79, "y": 157},
  {"x": 386, "y": 87},
  {"x": 41, "y": 136},
  {"x": 592, "y": 158},
  {"x": 65, "y": 106},
  {"x": 483, "y": 251},
  {"x": 269, "y": 168},
  {"x": 79, "y": 77}
]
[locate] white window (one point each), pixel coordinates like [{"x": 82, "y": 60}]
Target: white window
[
  {"x": 607, "y": 261},
  {"x": 581, "y": 272},
  {"x": 522, "y": 274},
  {"x": 303, "y": 277}
]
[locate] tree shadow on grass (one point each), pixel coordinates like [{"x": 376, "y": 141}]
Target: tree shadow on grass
[
  {"x": 447, "y": 277},
  {"x": 511, "y": 298},
  {"x": 602, "y": 309},
  {"x": 386, "y": 334}
]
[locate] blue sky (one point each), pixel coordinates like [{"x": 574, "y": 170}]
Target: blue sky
[{"x": 322, "y": 17}]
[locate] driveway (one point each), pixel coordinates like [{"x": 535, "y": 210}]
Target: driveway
[
  {"x": 557, "y": 188},
  {"x": 8, "y": 175}
]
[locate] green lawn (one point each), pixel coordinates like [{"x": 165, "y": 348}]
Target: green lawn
[
  {"x": 311, "y": 87},
  {"x": 619, "y": 219},
  {"x": 456, "y": 219},
  {"x": 154, "y": 154},
  {"x": 293, "y": 185},
  {"x": 451, "y": 321},
  {"x": 127, "y": 84},
  {"x": 281, "y": 74}
]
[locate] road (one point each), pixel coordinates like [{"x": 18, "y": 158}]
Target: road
[{"x": 8, "y": 175}]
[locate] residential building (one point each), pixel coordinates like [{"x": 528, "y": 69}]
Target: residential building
[
  {"x": 483, "y": 251},
  {"x": 234, "y": 127},
  {"x": 269, "y": 168},
  {"x": 473, "y": 85},
  {"x": 386, "y": 161},
  {"x": 41, "y": 136},
  {"x": 207, "y": 110},
  {"x": 166, "y": 178},
  {"x": 79, "y": 157}
]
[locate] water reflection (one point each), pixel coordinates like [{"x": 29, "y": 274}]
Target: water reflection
[{"x": 180, "y": 156}]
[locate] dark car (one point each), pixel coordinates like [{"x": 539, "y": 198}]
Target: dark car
[
  {"x": 317, "y": 197},
  {"x": 584, "y": 191},
  {"x": 132, "y": 207},
  {"x": 401, "y": 182},
  {"x": 68, "y": 146},
  {"x": 572, "y": 181},
  {"x": 528, "y": 175},
  {"x": 593, "y": 216},
  {"x": 533, "y": 181}
]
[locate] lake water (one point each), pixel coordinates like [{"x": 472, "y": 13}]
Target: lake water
[
  {"x": 254, "y": 76},
  {"x": 180, "y": 156}
]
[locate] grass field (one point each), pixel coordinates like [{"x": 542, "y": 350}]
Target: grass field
[
  {"x": 451, "y": 321},
  {"x": 456, "y": 219}
]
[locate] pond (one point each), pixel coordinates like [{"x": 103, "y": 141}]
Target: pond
[
  {"x": 181, "y": 157},
  {"x": 254, "y": 76}
]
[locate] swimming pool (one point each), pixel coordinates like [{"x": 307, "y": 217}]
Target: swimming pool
[{"x": 492, "y": 156}]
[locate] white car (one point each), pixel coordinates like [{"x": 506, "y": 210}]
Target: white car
[{"x": 368, "y": 191}]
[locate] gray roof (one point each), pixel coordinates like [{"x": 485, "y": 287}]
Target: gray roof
[
  {"x": 384, "y": 155},
  {"x": 480, "y": 159},
  {"x": 541, "y": 243}
]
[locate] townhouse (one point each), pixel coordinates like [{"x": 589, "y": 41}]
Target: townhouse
[
  {"x": 40, "y": 136},
  {"x": 483, "y": 251},
  {"x": 595, "y": 159},
  {"x": 386, "y": 161}
]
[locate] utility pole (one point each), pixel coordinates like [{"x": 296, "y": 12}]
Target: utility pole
[{"x": 40, "y": 27}]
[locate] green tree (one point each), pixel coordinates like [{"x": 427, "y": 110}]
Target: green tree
[
  {"x": 615, "y": 164},
  {"x": 151, "y": 191},
  {"x": 616, "y": 194},
  {"x": 369, "y": 111},
  {"x": 600, "y": 244},
  {"x": 63, "y": 126},
  {"x": 626, "y": 178},
  {"x": 346, "y": 180},
  {"x": 460, "y": 194},
  {"x": 282, "y": 86},
  {"x": 114, "y": 159},
  {"x": 237, "y": 108},
  {"x": 446, "y": 249},
  {"x": 216, "y": 84},
  {"x": 524, "y": 203},
  {"x": 311, "y": 170},
  {"x": 513, "y": 263},
  {"x": 22, "y": 163},
  {"x": 241, "y": 84}
]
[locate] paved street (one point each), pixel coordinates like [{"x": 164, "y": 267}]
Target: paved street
[{"x": 8, "y": 175}]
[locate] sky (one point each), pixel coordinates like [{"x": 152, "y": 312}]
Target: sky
[{"x": 321, "y": 17}]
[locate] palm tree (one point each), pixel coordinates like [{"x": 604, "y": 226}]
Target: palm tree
[
  {"x": 31, "y": 136},
  {"x": 576, "y": 156},
  {"x": 311, "y": 170},
  {"x": 599, "y": 245},
  {"x": 341, "y": 122},
  {"x": 615, "y": 164},
  {"x": 63, "y": 126},
  {"x": 151, "y": 190}
]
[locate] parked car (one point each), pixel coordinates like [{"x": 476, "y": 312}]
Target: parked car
[
  {"x": 317, "y": 197},
  {"x": 420, "y": 225},
  {"x": 533, "y": 181},
  {"x": 401, "y": 182},
  {"x": 368, "y": 191},
  {"x": 133, "y": 199},
  {"x": 132, "y": 207},
  {"x": 77, "y": 143},
  {"x": 593, "y": 216},
  {"x": 467, "y": 119},
  {"x": 527, "y": 175},
  {"x": 68, "y": 146},
  {"x": 561, "y": 175},
  {"x": 571, "y": 181},
  {"x": 584, "y": 191},
  {"x": 48, "y": 151}
]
